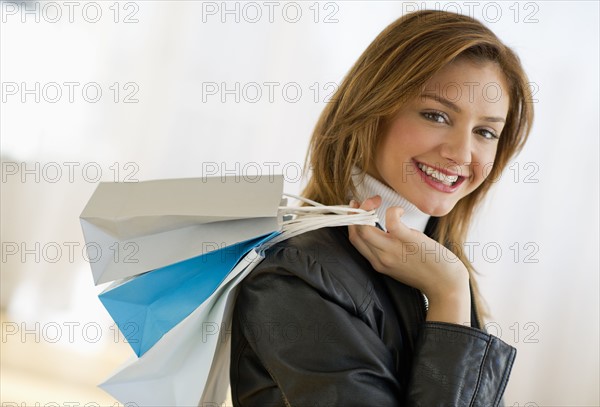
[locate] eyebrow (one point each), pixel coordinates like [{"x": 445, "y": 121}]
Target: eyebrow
[{"x": 449, "y": 104}]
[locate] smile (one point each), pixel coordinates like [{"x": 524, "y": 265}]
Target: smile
[{"x": 438, "y": 179}]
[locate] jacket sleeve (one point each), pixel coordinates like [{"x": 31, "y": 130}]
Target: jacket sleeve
[
  {"x": 455, "y": 365},
  {"x": 303, "y": 348}
]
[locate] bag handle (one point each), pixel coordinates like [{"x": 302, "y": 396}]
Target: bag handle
[{"x": 307, "y": 218}]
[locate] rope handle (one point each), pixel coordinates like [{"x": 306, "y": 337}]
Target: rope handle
[{"x": 307, "y": 218}]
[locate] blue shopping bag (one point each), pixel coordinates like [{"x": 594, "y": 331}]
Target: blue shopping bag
[{"x": 150, "y": 305}]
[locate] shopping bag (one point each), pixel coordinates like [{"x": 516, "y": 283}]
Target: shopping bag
[
  {"x": 189, "y": 364},
  {"x": 148, "y": 306},
  {"x": 131, "y": 228},
  {"x": 175, "y": 371}
]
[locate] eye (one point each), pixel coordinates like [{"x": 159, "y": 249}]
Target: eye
[
  {"x": 488, "y": 135},
  {"x": 436, "y": 116}
]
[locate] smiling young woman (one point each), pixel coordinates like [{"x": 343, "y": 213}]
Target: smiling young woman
[{"x": 388, "y": 316}]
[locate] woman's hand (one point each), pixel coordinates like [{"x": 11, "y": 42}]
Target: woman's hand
[{"x": 414, "y": 259}]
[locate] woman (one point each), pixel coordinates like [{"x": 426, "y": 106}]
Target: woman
[{"x": 430, "y": 113}]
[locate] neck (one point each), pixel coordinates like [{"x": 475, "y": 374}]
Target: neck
[{"x": 369, "y": 186}]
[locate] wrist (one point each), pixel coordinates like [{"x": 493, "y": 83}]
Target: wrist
[
  {"x": 450, "y": 303},
  {"x": 453, "y": 282}
]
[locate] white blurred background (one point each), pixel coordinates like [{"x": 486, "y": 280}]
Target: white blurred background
[{"x": 191, "y": 88}]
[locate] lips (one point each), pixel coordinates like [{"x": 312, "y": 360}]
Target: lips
[{"x": 439, "y": 179}]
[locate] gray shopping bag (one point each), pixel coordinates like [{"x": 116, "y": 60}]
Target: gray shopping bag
[{"x": 131, "y": 228}]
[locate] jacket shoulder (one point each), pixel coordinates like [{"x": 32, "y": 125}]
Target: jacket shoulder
[{"x": 325, "y": 260}]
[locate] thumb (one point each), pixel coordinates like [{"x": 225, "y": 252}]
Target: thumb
[{"x": 393, "y": 221}]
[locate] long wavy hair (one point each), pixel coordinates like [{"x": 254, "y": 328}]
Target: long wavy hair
[{"x": 391, "y": 72}]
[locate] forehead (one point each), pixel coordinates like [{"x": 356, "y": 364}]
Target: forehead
[{"x": 473, "y": 85}]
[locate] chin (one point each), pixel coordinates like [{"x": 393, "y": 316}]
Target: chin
[{"x": 441, "y": 209}]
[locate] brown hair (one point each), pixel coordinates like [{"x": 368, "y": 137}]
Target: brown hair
[{"x": 392, "y": 71}]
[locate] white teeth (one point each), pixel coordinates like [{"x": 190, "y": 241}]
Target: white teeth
[{"x": 443, "y": 178}]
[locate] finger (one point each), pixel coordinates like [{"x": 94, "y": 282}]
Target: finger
[
  {"x": 357, "y": 233},
  {"x": 371, "y": 203},
  {"x": 372, "y": 242},
  {"x": 399, "y": 229},
  {"x": 365, "y": 232},
  {"x": 368, "y": 239},
  {"x": 372, "y": 253},
  {"x": 354, "y": 204},
  {"x": 393, "y": 221},
  {"x": 381, "y": 242},
  {"x": 359, "y": 242}
]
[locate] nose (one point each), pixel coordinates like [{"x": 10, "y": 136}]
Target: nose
[{"x": 457, "y": 147}]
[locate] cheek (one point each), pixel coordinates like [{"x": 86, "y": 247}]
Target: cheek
[
  {"x": 406, "y": 139},
  {"x": 482, "y": 173},
  {"x": 486, "y": 163}
]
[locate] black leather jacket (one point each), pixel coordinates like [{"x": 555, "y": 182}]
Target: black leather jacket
[{"x": 315, "y": 325}]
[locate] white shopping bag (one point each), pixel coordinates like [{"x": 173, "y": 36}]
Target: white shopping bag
[
  {"x": 132, "y": 228},
  {"x": 175, "y": 371}
]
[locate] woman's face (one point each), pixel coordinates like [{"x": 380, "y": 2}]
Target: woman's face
[{"x": 441, "y": 146}]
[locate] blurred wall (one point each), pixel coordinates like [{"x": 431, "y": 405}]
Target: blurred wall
[{"x": 117, "y": 91}]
